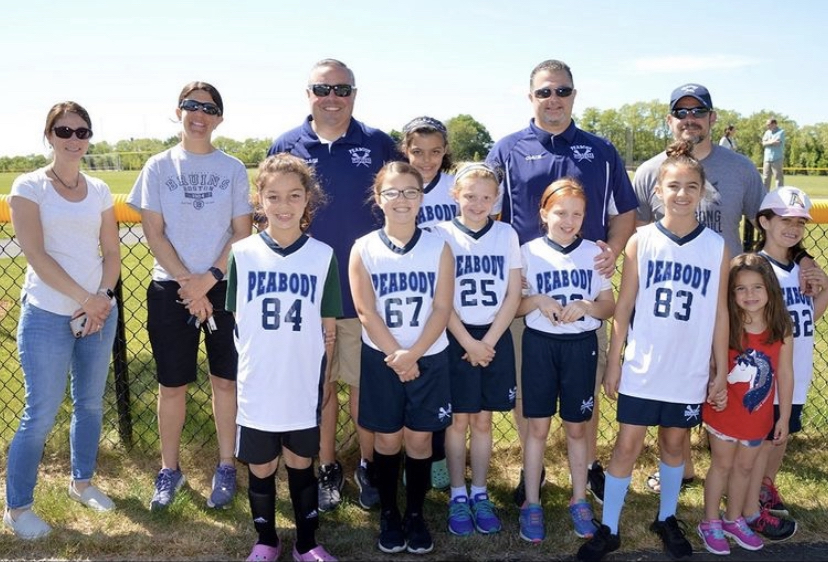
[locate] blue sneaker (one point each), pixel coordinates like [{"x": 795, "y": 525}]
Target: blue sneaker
[
  {"x": 532, "y": 524},
  {"x": 224, "y": 486},
  {"x": 167, "y": 483},
  {"x": 460, "y": 517},
  {"x": 582, "y": 518},
  {"x": 486, "y": 520}
]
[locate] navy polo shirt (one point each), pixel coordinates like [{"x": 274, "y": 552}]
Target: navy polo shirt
[
  {"x": 531, "y": 159},
  {"x": 345, "y": 170}
]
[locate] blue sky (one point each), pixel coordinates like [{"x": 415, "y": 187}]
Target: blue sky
[{"x": 126, "y": 62}]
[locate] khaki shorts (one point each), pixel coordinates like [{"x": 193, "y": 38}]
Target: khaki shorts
[
  {"x": 345, "y": 366},
  {"x": 517, "y": 328}
]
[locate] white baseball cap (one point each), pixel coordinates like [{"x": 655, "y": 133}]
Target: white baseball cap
[{"x": 788, "y": 201}]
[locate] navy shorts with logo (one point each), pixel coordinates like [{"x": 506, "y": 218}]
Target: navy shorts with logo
[
  {"x": 559, "y": 367},
  {"x": 175, "y": 342},
  {"x": 386, "y": 404},
  {"x": 642, "y": 411},
  {"x": 491, "y": 388},
  {"x": 254, "y": 446}
]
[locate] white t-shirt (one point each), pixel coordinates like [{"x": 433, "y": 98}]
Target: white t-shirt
[{"x": 71, "y": 236}]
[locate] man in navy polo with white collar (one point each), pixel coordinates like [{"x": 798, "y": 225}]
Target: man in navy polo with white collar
[
  {"x": 550, "y": 148},
  {"x": 346, "y": 155}
]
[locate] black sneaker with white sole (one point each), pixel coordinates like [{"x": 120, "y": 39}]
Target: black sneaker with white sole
[{"x": 330, "y": 486}]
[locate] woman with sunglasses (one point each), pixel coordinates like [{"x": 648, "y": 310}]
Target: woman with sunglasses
[
  {"x": 65, "y": 224},
  {"x": 195, "y": 202}
]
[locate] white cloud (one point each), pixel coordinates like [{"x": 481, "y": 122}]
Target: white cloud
[{"x": 692, "y": 63}]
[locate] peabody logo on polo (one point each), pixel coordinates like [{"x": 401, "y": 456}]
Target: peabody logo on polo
[
  {"x": 361, "y": 156},
  {"x": 581, "y": 152}
]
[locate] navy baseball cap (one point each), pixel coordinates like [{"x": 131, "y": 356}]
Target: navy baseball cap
[{"x": 696, "y": 91}]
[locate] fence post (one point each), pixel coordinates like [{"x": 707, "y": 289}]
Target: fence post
[{"x": 121, "y": 368}]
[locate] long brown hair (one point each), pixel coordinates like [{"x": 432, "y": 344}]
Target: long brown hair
[{"x": 776, "y": 315}]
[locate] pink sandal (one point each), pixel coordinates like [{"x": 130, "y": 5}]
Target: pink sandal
[{"x": 264, "y": 553}]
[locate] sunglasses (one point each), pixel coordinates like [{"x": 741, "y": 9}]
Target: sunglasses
[
  {"x": 66, "y": 133},
  {"x": 410, "y": 193},
  {"x": 339, "y": 90},
  {"x": 193, "y": 105},
  {"x": 544, "y": 93},
  {"x": 694, "y": 111}
]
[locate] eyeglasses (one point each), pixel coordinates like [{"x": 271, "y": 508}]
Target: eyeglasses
[
  {"x": 66, "y": 133},
  {"x": 694, "y": 111},
  {"x": 339, "y": 90},
  {"x": 193, "y": 105},
  {"x": 410, "y": 193},
  {"x": 544, "y": 93}
]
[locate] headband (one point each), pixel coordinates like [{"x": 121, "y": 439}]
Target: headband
[
  {"x": 424, "y": 122},
  {"x": 476, "y": 167}
]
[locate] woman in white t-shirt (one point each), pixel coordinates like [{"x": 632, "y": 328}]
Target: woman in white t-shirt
[{"x": 65, "y": 224}]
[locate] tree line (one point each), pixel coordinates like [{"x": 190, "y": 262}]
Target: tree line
[{"x": 638, "y": 130}]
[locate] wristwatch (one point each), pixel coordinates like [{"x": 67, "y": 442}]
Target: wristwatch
[
  {"x": 216, "y": 272},
  {"x": 110, "y": 294}
]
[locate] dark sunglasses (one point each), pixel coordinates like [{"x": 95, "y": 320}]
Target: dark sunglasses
[
  {"x": 206, "y": 107},
  {"x": 339, "y": 90},
  {"x": 66, "y": 133},
  {"x": 544, "y": 93},
  {"x": 694, "y": 111}
]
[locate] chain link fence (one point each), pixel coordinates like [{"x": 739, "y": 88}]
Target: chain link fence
[{"x": 132, "y": 390}]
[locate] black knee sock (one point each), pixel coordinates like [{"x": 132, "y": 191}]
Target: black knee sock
[
  {"x": 305, "y": 499},
  {"x": 387, "y": 471},
  {"x": 438, "y": 447},
  {"x": 262, "y": 495},
  {"x": 417, "y": 481}
]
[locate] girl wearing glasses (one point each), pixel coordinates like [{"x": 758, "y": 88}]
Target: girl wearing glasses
[
  {"x": 402, "y": 284},
  {"x": 65, "y": 224},
  {"x": 194, "y": 203}
]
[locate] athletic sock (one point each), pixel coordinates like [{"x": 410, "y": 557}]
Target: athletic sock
[
  {"x": 305, "y": 499},
  {"x": 387, "y": 472},
  {"x": 615, "y": 492},
  {"x": 261, "y": 493},
  {"x": 418, "y": 479},
  {"x": 670, "y": 480}
]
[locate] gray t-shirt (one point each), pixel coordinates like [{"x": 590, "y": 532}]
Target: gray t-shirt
[
  {"x": 198, "y": 196},
  {"x": 733, "y": 189}
]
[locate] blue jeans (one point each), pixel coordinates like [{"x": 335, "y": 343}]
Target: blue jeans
[{"x": 48, "y": 351}]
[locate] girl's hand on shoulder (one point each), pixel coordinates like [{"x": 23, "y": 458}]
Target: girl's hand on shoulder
[{"x": 813, "y": 279}]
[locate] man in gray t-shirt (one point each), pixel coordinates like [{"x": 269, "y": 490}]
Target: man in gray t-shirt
[{"x": 734, "y": 187}]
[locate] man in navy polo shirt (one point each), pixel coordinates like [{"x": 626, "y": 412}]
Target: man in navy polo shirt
[
  {"x": 550, "y": 148},
  {"x": 346, "y": 155}
]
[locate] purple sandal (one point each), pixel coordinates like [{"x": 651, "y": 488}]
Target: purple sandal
[{"x": 264, "y": 553}]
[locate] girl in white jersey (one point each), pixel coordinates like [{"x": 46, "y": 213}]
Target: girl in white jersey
[
  {"x": 424, "y": 143},
  {"x": 566, "y": 303},
  {"x": 675, "y": 279},
  {"x": 482, "y": 356},
  {"x": 781, "y": 224},
  {"x": 284, "y": 290},
  {"x": 403, "y": 286}
]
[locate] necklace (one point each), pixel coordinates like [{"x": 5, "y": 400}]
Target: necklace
[{"x": 66, "y": 185}]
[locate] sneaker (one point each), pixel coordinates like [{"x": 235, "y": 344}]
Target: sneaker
[
  {"x": 740, "y": 532},
  {"x": 224, "y": 486},
  {"x": 602, "y": 543},
  {"x": 712, "y": 537},
  {"x": 520, "y": 492},
  {"x": 773, "y": 528},
  {"x": 330, "y": 486},
  {"x": 460, "y": 517},
  {"x": 417, "y": 537},
  {"x": 167, "y": 483},
  {"x": 265, "y": 553},
  {"x": 532, "y": 524},
  {"x": 368, "y": 494},
  {"x": 770, "y": 499},
  {"x": 486, "y": 520},
  {"x": 92, "y": 498},
  {"x": 316, "y": 554},
  {"x": 440, "y": 475},
  {"x": 595, "y": 481},
  {"x": 27, "y": 526},
  {"x": 392, "y": 536},
  {"x": 583, "y": 519},
  {"x": 672, "y": 534}
]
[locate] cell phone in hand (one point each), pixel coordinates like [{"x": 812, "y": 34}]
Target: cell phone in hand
[{"x": 77, "y": 323}]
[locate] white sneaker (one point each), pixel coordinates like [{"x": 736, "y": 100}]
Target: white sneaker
[
  {"x": 28, "y": 525},
  {"x": 92, "y": 498}
]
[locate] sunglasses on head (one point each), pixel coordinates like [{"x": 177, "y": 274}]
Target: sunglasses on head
[
  {"x": 694, "y": 111},
  {"x": 206, "y": 107},
  {"x": 66, "y": 133},
  {"x": 544, "y": 93},
  {"x": 339, "y": 90},
  {"x": 409, "y": 193}
]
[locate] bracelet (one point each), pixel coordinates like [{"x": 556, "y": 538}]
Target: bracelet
[{"x": 86, "y": 300}]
